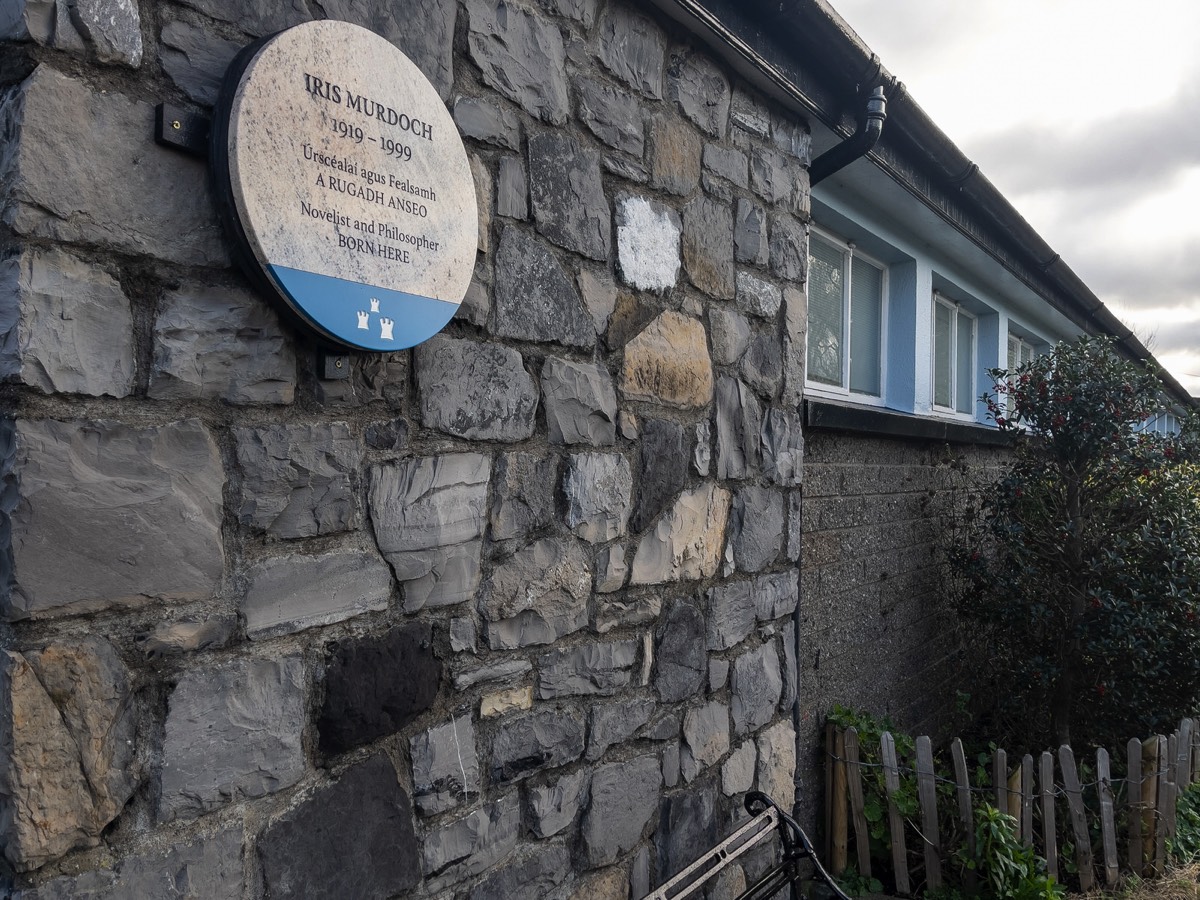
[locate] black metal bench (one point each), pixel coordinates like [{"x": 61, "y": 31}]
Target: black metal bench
[{"x": 767, "y": 818}]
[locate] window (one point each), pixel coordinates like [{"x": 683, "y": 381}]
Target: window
[
  {"x": 845, "y": 318},
  {"x": 953, "y": 356},
  {"x": 1020, "y": 351}
]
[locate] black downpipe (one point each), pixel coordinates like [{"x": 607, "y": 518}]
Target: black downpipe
[{"x": 867, "y": 135}]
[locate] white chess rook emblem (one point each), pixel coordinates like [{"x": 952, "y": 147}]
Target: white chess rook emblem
[
  {"x": 374, "y": 305},
  {"x": 385, "y": 329},
  {"x": 362, "y": 320}
]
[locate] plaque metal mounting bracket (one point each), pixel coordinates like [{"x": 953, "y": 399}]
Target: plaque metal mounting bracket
[
  {"x": 181, "y": 130},
  {"x": 332, "y": 365}
]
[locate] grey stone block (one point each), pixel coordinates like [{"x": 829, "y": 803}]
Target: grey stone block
[
  {"x": 290, "y": 593},
  {"x": 475, "y": 391},
  {"x": 795, "y": 534},
  {"x": 792, "y": 137},
  {"x": 783, "y": 447},
  {"x": 757, "y": 297},
  {"x": 232, "y": 733},
  {"x": 580, "y": 402},
  {"x": 196, "y": 59},
  {"x": 706, "y": 738},
  {"x": 543, "y": 739},
  {"x": 623, "y": 798},
  {"x": 648, "y": 243},
  {"x": 554, "y": 805},
  {"x": 611, "y": 569},
  {"x": 523, "y": 488},
  {"x": 521, "y": 56},
  {"x": 80, "y": 487},
  {"x": 495, "y": 672},
  {"x": 739, "y": 421},
  {"x": 612, "y": 115},
  {"x": 78, "y": 191},
  {"x": 568, "y": 199},
  {"x": 708, "y": 246},
  {"x": 702, "y": 455},
  {"x": 488, "y": 122},
  {"x": 701, "y": 90},
  {"x": 595, "y": 669},
  {"x": 670, "y": 764},
  {"x": 730, "y": 334},
  {"x": 737, "y": 774},
  {"x": 214, "y": 343},
  {"x": 730, "y": 615},
  {"x": 615, "y": 722},
  {"x": 770, "y": 175},
  {"x": 208, "y": 867},
  {"x": 69, "y": 765},
  {"x": 481, "y": 174},
  {"x": 428, "y": 515},
  {"x": 756, "y": 527},
  {"x": 535, "y": 298},
  {"x": 463, "y": 635},
  {"x": 445, "y": 766},
  {"x": 620, "y": 612},
  {"x": 681, "y": 662},
  {"x": 472, "y": 844},
  {"x": 597, "y": 489},
  {"x": 775, "y": 596},
  {"x": 750, "y": 232},
  {"x": 748, "y": 113},
  {"x": 66, "y": 325},
  {"x": 727, "y": 162},
  {"x": 582, "y": 11},
  {"x": 512, "y": 189},
  {"x": 298, "y": 480},
  {"x": 352, "y": 838},
  {"x": 791, "y": 674},
  {"x": 664, "y": 456},
  {"x": 257, "y": 17},
  {"x": 633, "y": 48},
  {"x": 718, "y": 674},
  {"x": 534, "y": 873},
  {"x": 789, "y": 248},
  {"x": 599, "y": 296},
  {"x": 537, "y": 596},
  {"x": 756, "y": 686}
]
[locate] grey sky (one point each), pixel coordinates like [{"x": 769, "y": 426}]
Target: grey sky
[{"x": 1086, "y": 114}]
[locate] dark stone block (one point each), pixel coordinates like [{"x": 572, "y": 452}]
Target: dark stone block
[
  {"x": 377, "y": 685},
  {"x": 687, "y": 828},
  {"x": 681, "y": 662},
  {"x": 666, "y": 453},
  {"x": 353, "y": 838}
]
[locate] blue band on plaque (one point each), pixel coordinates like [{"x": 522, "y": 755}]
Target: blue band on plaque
[{"x": 373, "y": 318}]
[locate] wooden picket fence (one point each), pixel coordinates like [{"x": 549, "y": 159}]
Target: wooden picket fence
[{"x": 1158, "y": 771}]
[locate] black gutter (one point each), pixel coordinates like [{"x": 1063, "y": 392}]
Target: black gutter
[
  {"x": 866, "y": 136},
  {"x": 804, "y": 55}
]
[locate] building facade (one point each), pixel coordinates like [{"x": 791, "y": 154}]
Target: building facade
[{"x": 526, "y": 610}]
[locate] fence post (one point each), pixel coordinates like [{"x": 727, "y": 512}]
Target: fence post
[
  {"x": 964, "y": 806},
  {"x": 1183, "y": 765},
  {"x": 1000, "y": 778},
  {"x": 927, "y": 793},
  {"x": 891, "y": 782},
  {"x": 837, "y": 861},
  {"x": 1083, "y": 839},
  {"x": 1163, "y": 800},
  {"x": 862, "y": 838},
  {"x": 1133, "y": 781},
  {"x": 1027, "y": 799},
  {"x": 1108, "y": 828},
  {"x": 1046, "y": 793},
  {"x": 830, "y": 752}
]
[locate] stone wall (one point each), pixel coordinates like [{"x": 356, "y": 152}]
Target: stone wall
[
  {"x": 875, "y": 633},
  {"x": 507, "y": 615}
]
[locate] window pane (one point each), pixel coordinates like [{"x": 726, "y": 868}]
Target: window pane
[
  {"x": 825, "y": 297},
  {"x": 1026, "y": 353},
  {"x": 941, "y": 354},
  {"x": 866, "y": 321},
  {"x": 964, "y": 392},
  {"x": 1014, "y": 353}
]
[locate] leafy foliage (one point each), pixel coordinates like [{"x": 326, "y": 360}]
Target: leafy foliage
[
  {"x": 1080, "y": 573},
  {"x": 1184, "y": 848},
  {"x": 1007, "y": 869}
]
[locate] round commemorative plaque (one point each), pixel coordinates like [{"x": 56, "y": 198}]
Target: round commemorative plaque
[{"x": 346, "y": 185}]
